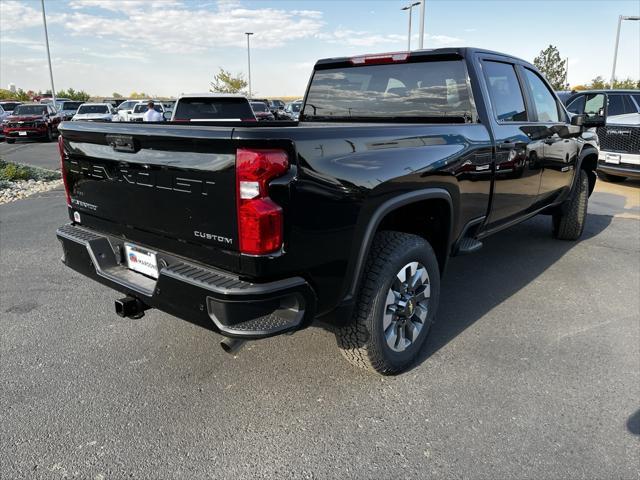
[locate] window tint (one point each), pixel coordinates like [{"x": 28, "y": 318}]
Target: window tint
[
  {"x": 543, "y": 99},
  {"x": 93, "y": 109},
  {"x": 577, "y": 105},
  {"x": 142, "y": 108},
  {"x": 505, "y": 92},
  {"x": 212, "y": 109},
  {"x": 70, "y": 105},
  {"x": 619, "y": 105},
  {"x": 436, "y": 89},
  {"x": 637, "y": 99}
]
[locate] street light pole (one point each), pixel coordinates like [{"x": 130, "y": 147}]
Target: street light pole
[
  {"x": 615, "y": 52},
  {"x": 46, "y": 39},
  {"x": 248, "y": 34},
  {"x": 410, "y": 8},
  {"x": 422, "y": 14}
]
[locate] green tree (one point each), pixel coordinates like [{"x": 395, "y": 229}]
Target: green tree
[
  {"x": 598, "y": 83},
  {"x": 19, "y": 94},
  {"x": 79, "y": 95},
  {"x": 137, "y": 96},
  {"x": 627, "y": 83},
  {"x": 552, "y": 67},
  {"x": 226, "y": 82},
  {"x": 116, "y": 95}
]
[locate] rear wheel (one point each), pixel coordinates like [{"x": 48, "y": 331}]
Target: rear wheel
[
  {"x": 569, "y": 220},
  {"x": 396, "y": 304},
  {"x": 11, "y": 140},
  {"x": 607, "y": 177}
]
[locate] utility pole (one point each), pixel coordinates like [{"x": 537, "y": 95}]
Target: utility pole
[
  {"x": 248, "y": 34},
  {"x": 46, "y": 39},
  {"x": 410, "y": 8},
  {"x": 422, "y": 14},
  {"x": 615, "y": 51}
]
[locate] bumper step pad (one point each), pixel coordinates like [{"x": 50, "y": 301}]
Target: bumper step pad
[{"x": 238, "y": 308}]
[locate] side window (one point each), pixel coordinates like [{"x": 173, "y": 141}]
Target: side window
[
  {"x": 543, "y": 99},
  {"x": 615, "y": 106},
  {"x": 505, "y": 93},
  {"x": 576, "y": 105},
  {"x": 619, "y": 105},
  {"x": 636, "y": 97}
]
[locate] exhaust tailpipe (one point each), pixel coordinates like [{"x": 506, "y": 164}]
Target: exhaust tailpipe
[
  {"x": 130, "y": 307},
  {"x": 232, "y": 345}
]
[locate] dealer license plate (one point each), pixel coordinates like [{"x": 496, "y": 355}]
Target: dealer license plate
[
  {"x": 141, "y": 260},
  {"x": 22, "y": 134},
  {"x": 610, "y": 158}
]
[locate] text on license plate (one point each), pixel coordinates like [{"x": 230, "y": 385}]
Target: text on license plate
[
  {"x": 22, "y": 133},
  {"x": 141, "y": 260},
  {"x": 609, "y": 158}
]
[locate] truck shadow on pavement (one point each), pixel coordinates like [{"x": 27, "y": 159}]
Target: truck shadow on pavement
[
  {"x": 473, "y": 285},
  {"x": 633, "y": 423}
]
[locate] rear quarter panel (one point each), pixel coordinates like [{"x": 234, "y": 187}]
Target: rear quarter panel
[{"x": 345, "y": 172}]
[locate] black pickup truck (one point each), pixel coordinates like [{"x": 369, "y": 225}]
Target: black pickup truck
[{"x": 345, "y": 218}]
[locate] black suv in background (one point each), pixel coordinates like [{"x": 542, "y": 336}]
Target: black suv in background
[{"x": 619, "y": 156}]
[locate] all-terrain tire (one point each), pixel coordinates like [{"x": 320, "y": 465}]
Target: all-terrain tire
[
  {"x": 362, "y": 341},
  {"x": 607, "y": 177},
  {"x": 569, "y": 220}
]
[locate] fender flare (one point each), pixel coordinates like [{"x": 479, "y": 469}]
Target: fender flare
[
  {"x": 586, "y": 151},
  {"x": 376, "y": 218}
]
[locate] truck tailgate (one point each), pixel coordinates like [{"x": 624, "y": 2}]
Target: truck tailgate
[{"x": 174, "y": 185}]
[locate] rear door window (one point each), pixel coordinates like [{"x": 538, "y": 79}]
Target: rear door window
[
  {"x": 504, "y": 90},
  {"x": 543, "y": 99}
]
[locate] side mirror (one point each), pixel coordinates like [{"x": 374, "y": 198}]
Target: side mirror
[
  {"x": 578, "y": 120},
  {"x": 595, "y": 111},
  {"x": 166, "y": 116}
]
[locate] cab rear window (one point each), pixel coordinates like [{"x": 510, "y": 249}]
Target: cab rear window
[
  {"x": 422, "y": 90},
  {"x": 213, "y": 109}
]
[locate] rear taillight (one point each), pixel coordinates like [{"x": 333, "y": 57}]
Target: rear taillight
[
  {"x": 63, "y": 171},
  {"x": 259, "y": 218}
]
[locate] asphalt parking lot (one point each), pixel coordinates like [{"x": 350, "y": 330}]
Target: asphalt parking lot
[{"x": 532, "y": 370}]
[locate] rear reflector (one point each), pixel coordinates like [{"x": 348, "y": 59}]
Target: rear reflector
[
  {"x": 63, "y": 170},
  {"x": 259, "y": 218},
  {"x": 396, "y": 57}
]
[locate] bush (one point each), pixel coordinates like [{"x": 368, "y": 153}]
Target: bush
[{"x": 13, "y": 172}]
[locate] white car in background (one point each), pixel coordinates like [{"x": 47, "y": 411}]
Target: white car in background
[
  {"x": 96, "y": 112},
  {"x": 126, "y": 108},
  {"x": 140, "y": 108}
]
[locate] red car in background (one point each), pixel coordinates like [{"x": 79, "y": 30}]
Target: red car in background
[
  {"x": 261, "y": 111},
  {"x": 32, "y": 120}
]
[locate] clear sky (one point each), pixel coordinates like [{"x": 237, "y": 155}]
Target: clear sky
[{"x": 165, "y": 47}]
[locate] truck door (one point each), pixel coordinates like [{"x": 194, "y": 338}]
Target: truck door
[
  {"x": 560, "y": 138},
  {"x": 517, "y": 154}
]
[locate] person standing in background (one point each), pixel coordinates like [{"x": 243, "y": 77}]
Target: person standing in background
[{"x": 151, "y": 115}]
